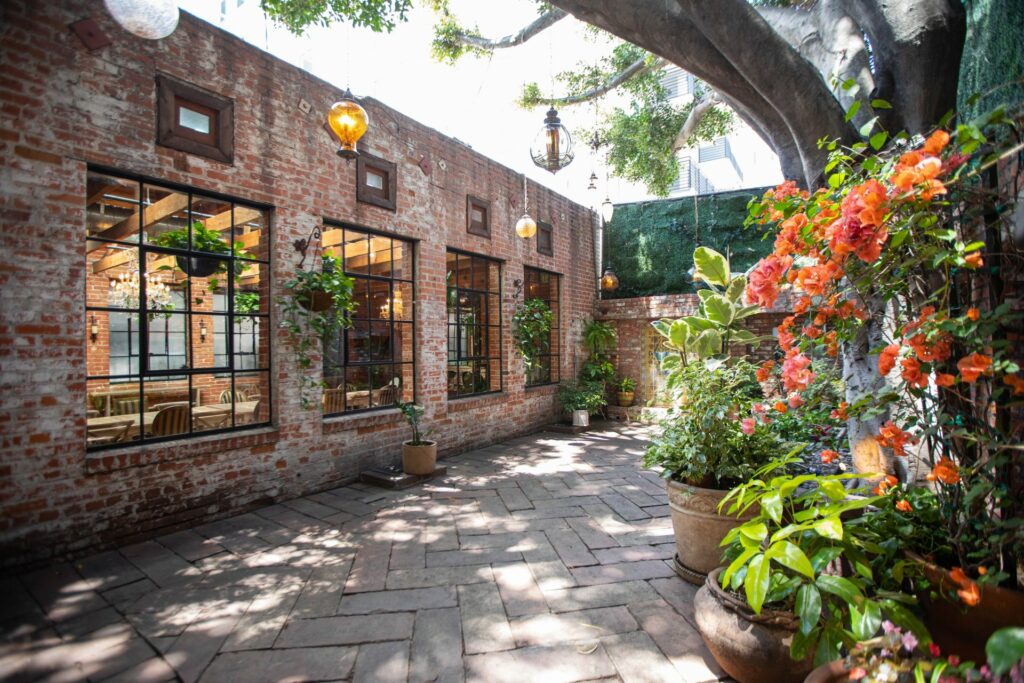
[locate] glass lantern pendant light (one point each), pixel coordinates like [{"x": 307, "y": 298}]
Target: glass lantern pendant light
[
  {"x": 609, "y": 281},
  {"x": 349, "y": 121},
  {"x": 152, "y": 19},
  {"x": 607, "y": 209},
  {"x": 552, "y": 148},
  {"x": 526, "y": 227}
]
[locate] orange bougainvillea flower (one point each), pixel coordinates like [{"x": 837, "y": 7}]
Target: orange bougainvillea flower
[
  {"x": 828, "y": 456},
  {"x": 796, "y": 372},
  {"x": 763, "y": 285},
  {"x": 973, "y": 313},
  {"x": 885, "y": 485},
  {"x": 973, "y": 366},
  {"x": 795, "y": 400},
  {"x": 969, "y": 591},
  {"x": 912, "y": 374},
  {"x": 887, "y": 359},
  {"x": 974, "y": 260},
  {"x": 936, "y": 142},
  {"x": 946, "y": 471},
  {"x": 891, "y": 436},
  {"x": 1016, "y": 382},
  {"x": 943, "y": 379},
  {"x": 904, "y": 506},
  {"x": 840, "y": 412},
  {"x": 765, "y": 370},
  {"x": 781, "y": 407}
]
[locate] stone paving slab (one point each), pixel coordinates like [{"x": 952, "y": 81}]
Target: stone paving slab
[{"x": 544, "y": 558}]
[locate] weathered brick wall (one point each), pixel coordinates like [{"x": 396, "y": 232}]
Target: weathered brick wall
[
  {"x": 62, "y": 108},
  {"x": 632, "y": 319}
]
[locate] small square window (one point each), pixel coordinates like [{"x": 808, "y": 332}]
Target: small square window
[
  {"x": 545, "y": 239},
  {"x": 194, "y": 121},
  {"x": 478, "y": 216},
  {"x": 376, "y": 181}
]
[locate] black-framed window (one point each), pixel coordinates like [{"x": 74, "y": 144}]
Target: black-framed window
[
  {"x": 545, "y": 239},
  {"x": 474, "y": 324},
  {"x": 540, "y": 284},
  {"x": 371, "y": 365},
  {"x": 166, "y": 267}
]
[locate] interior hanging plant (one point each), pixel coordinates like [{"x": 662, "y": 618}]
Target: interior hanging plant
[
  {"x": 531, "y": 330},
  {"x": 307, "y": 323}
]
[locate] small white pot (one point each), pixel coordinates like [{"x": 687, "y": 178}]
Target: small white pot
[{"x": 580, "y": 418}]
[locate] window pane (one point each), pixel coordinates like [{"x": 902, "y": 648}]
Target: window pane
[
  {"x": 380, "y": 256},
  {"x": 359, "y": 350},
  {"x": 165, "y": 217},
  {"x": 374, "y": 179},
  {"x": 356, "y": 245},
  {"x": 401, "y": 264},
  {"x": 188, "y": 118},
  {"x": 361, "y": 298},
  {"x": 211, "y": 225},
  {"x": 112, "y": 209},
  {"x": 252, "y": 232}
]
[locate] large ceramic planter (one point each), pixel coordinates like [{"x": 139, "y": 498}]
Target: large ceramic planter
[
  {"x": 626, "y": 398},
  {"x": 580, "y": 418},
  {"x": 420, "y": 459},
  {"x": 699, "y": 529},
  {"x": 833, "y": 672},
  {"x": 962, "y": 630},
  {"x": 752, "y": 648}
]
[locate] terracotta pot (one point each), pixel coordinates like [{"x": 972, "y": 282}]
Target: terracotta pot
[
  {"x": 962, "y": 630},
  {"x": 626, "y": 398},
  {"x": 752, "y": 648},
  {"x": 420, "y": 459},
  {"x": 580, "y": 418},
  {"x": 699, "y": 529},
  {"x": 833, "y": 672},
  {"x": 319, "y": 301}
]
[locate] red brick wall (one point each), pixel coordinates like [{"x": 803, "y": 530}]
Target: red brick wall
[
  {"x": 633, "y": 317},
  {"x": 62, "y": 108}
]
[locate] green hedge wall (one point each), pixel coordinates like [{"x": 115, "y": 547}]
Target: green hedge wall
[
  {"x": 650, "y": 244},
  {"x": 993, "y": 54}
]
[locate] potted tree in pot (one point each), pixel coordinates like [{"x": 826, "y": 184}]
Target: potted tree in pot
[
  {"x": 627, "y": 385},
  {"x": 581, "y": 400},
  {"x": 419, "y": 455},
  {"x": 705, "y": 448}
]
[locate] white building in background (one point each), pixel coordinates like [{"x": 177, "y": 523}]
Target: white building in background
[{"x": 736, "y": 161}]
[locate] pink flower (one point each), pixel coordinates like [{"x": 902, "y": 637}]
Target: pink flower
[
  {"x": 909, "y": 641},
  {"x": 759, "y": 408},
  {"x": 748, "y": 425},
  {"x": 796, "y": 373},
  {"x": 795, "y": 400}
]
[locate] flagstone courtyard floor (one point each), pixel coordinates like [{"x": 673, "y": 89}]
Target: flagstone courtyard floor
[{"x": 545, "y": 558}]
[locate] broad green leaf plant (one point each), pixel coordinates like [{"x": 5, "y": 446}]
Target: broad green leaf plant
[
  {"x": 308, "y": 328},
  {"x": 531, "y": 331},
  {"x": 788, "y": 557}
]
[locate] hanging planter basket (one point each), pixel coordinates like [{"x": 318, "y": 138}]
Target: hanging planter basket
[
  {"x": 318, "y": 301},
  {"x": 199, "y": 266}
]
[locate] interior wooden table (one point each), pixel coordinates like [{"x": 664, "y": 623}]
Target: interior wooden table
[{"x": 243, "y": 409}]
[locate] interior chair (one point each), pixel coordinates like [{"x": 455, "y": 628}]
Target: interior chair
[
  {"x": 113, "y": 432},
  {"x": 172, "y": 420}
]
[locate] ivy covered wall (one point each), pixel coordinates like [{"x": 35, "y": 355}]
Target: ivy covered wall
[
  {"x": 650, "y": 244},
  {"x": 993, "y": 55}
]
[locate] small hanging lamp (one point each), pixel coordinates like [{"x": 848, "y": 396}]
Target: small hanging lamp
[
  {"x": 552, "y": 148},
  {"x": 150, "y": 19},
  {"x": 607, "y": 209},
  {"x": 609, "y": 281},
  {"x": 349, "y": 121},
  {"x": 526, "y": 227},
  {"x": 593, "y": 181}
]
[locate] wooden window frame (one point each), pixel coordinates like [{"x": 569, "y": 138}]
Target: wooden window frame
[
  {"x": 542, "y": 229},
  {"x": 385, "y": 199},
  {"x": 472, "y": 227},
  {"x": 218, "y": 144}
]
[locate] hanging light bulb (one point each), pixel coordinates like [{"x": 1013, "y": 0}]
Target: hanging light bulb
[
  {"x": 349, "y": 121},
  {"x": 552, "y": 149},
  {"x": 593, "y": 181},
  {"x": 609, "y": 281},
  {"x": 607, "y": 209},
  {"x": 151, "y": 19},
  {"x": 526, "y": 227}
]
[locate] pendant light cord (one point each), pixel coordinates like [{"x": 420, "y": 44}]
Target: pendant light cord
[{"x": 526, "y": 198}]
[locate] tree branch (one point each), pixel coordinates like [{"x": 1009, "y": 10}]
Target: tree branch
[
  {"x": 702, "y": 107},
  {"x": 641, "y": 66},
  {"x": 544, "y": 21}
]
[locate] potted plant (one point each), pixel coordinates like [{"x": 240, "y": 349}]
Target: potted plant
[
  {"x": 531, "y": 332},
  {"x": 581, "y": 400},
  {"x": 419, "y": 456},
  {"x": 898, "y": 266},
  {"x": 307, "y": 327},
  {"x": 627, "y": 385},
  {"x": 708, "y": 445},
  {"x": 899, "y": 656},
  {"x": 204, "y": 240},
  {"x": 799, "y": 585}
]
